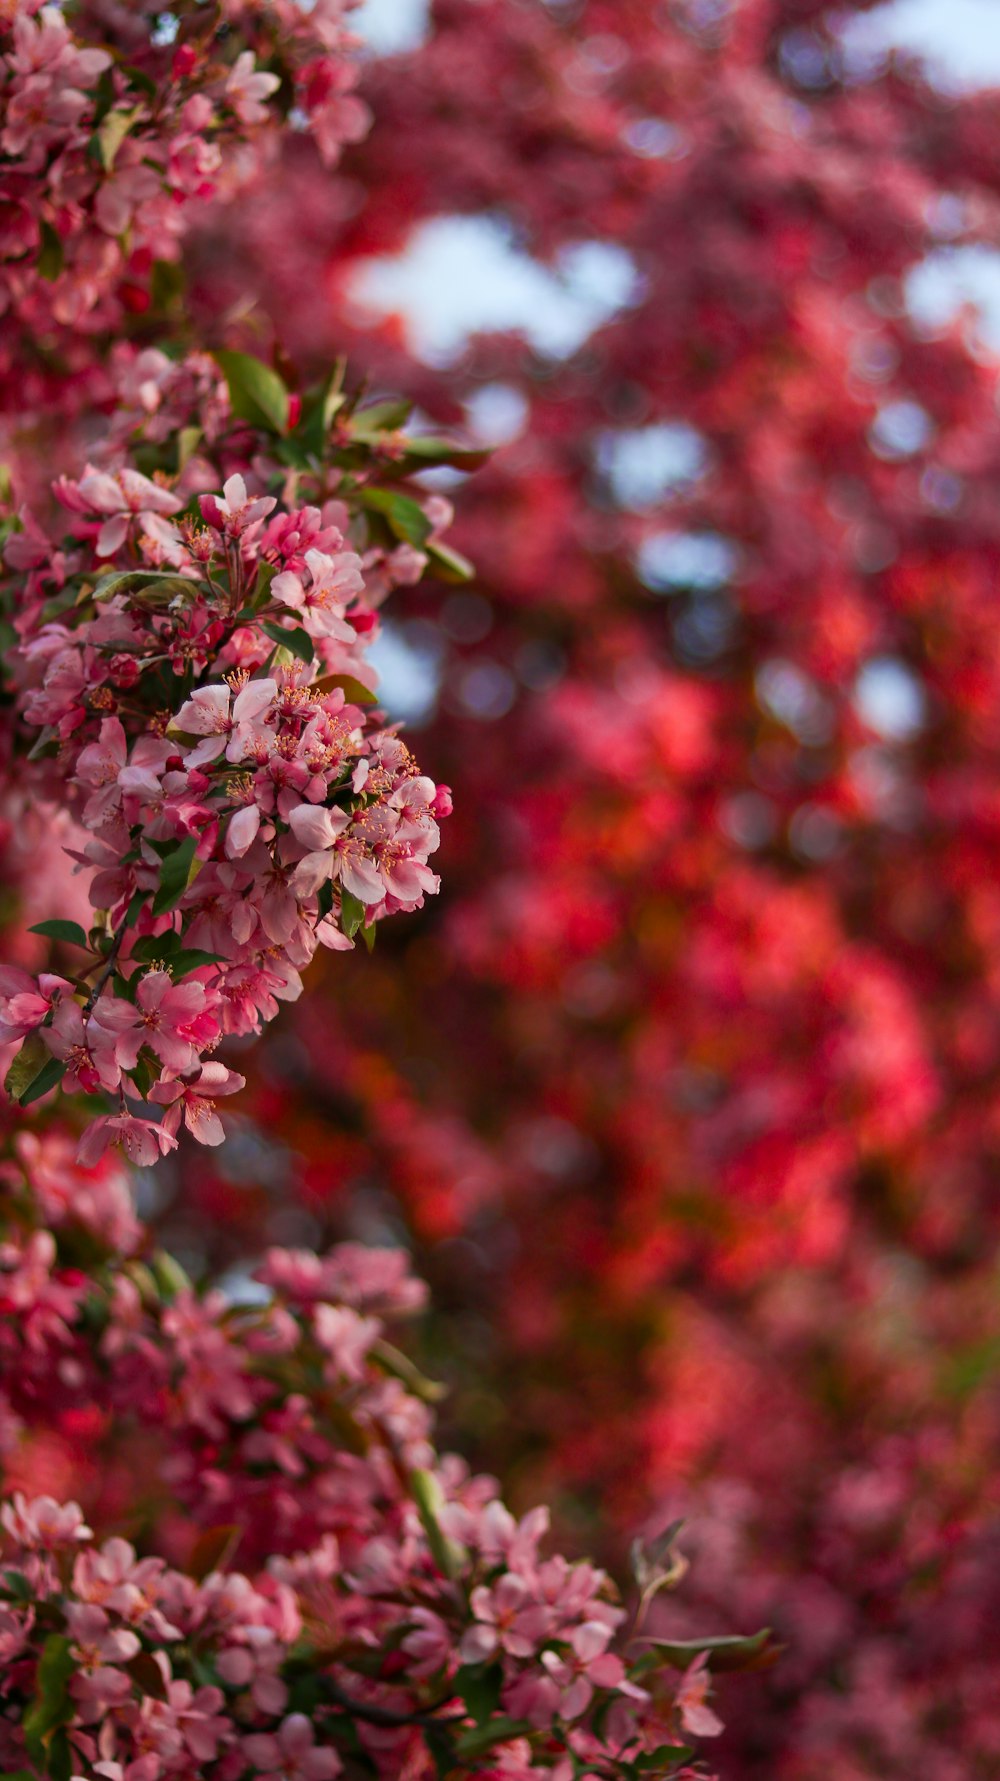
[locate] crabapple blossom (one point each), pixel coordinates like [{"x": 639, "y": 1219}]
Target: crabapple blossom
[
  {"x": 355, "y": 1620},
  {"x": 112, "y": 150},
  {"x": 200, "y": 704}
]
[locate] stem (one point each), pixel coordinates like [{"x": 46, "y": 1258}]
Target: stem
[
  {"x": 385, "y": 1715},
  {"x": 106, "y": 971}
]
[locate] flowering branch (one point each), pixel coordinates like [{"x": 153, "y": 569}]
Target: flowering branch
[{"x": 191, "y": 683}]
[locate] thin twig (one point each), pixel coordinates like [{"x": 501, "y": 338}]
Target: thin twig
[
  {"x": 107, "y": 970},
  {"x": 385, "y": 1715}
]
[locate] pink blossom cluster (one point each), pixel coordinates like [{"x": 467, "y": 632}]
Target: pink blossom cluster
[
  {"x": 113, "y": 128},
  {"x": 191, "y": 684},
  {"x": 391, "y": 1607}
]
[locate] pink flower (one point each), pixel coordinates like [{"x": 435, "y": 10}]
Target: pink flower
[
  {"x": 692, "y": 1697},
  {"x": 333, "y": 582},
  {"x": 507, "y": 1620},
  {"x": 213, "y": 1386},
  {"x": 234, "y": 512},
  {"x": 126, "y": 497},
  {"x": 142, "y": 1140},
  {"x": 532, "y": 1697},
  {"x": 213, "y": 713},
  {"x": 336, "y": 115},
  {"x": 346, "y": 1338},
  {"x": 15, "y": 1630},
  {"x": 334, "y": 852},
  {"x": 85, "y": 1047},
  {"x": 430, "y": 1644},
  {"x": 99, "y": 1647},
  {"x": 98, "y": 765},
  {"x": 145, "y": 1768},
  {"x": 25, "y": 1003},
  {"x": 115, "y": 1578},
  {"x": 588, "y": 1666},
  {"x": 195, "y": 1097},
  {"x": 242, "y": 831},
  {"x": 141, "y": 777},
  {"x": 195, "y": 1714},
  {"x": 117, "y": 202},
  {"x": 291, "y": 1754},
  {"x": 255, "y": 1666},
  {"x": 43, "y": 1524},
  {"x": 174, "y": 1019},
  {"x": 246, "y": 88}
]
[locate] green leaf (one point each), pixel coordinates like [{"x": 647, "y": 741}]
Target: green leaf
[
  {"x": 51, "y": 1705},
  {"x": 146, "y": 1673},
  {"x": 479, "y": 1686},
  {"x": 188, "y": 441},
  {"x": 393, "y": 1361},
  {"x": 192, "y": 958},
  {"x": 104, "y": 95},
  {"x": 256, "y": 393},
  {"x": 169, "y": 949},
  {"x": 368, "y": 934},
  {"x": 176, "y": 873},
  {"x": 318, "y": 410},
  {"x": 332, "y": 392},
  {"x": 170, "y": 1277},
  {"x": 32, "y": 1057},
  {"x": 354, "y": 691},
  {"x": 448, "y": 564},
  {"x": 135, "y": 908},
  {"x": 137, "y": 77},
  {"x": 61, "y": 1763},
  {"x": 404, "y": 516},
  {"x": 266, "y": 573},
  {"x": 434, "y": 451},
  {"x": 18, "y": 1775},
  {"x": 146, "y": 582},
  {"x": 47, "y": 743},
  {"x": 166, "y": 285},
  {"x": 112, "y": 133},
  {"x": 381, "y": 417},
  {"x": 352, "y": 913},
  {"x": 142, "y": 1076},
  {"x": 664, "y": 1757},
  {"x": 33, "y": 1072},
  {"x": 499, "y": 1731},
  {"x": 51, "y": 257},
  {"x": 729, "y": 1651},
  {"x": 70, "y": 931},
  {"x": 968, "y": 1368},
  {"x": 447, "y": 1554},
  {"x": 16, "y": 1585},
  {"x": 47, "y": 1078},
  {"x": 441, "y": 1748},
  {"x": 297, "y": 641},
  {"x": 213, "y": 1550}
]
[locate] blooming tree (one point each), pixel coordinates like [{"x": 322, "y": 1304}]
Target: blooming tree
[
  {"x": 390, "y": 1613},
  {"x": 190, "y": 705}
]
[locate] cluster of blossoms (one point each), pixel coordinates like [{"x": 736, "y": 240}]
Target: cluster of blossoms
[
  {"x": 111, "y": 130},
  {"x": 392, "y": 1612},
  {"x": 190, "y": 673}
]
